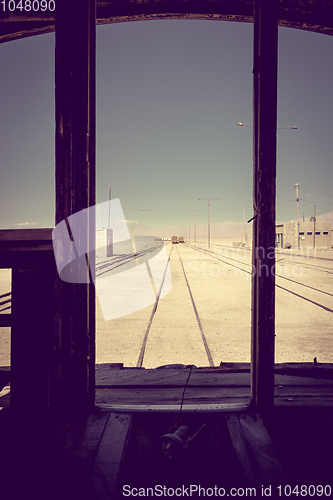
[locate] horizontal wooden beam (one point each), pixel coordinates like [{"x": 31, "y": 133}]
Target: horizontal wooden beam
[
  {"x": 24, "y": 235},
  {"x": 25, "y": 247},
  {"x": 311, "y": 16}
]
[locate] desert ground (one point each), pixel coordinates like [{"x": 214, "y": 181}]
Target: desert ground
[
  {"x": 205, "y": 318},
  {"x": 5, "y": 287},
  {"x": 222, "y": 296}
]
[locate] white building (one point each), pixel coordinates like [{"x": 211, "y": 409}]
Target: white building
[{"x": 310, "y": 234}]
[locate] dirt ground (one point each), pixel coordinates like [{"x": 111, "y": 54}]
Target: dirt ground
[
  {"x": 5, "y": 287},
  {"x": 222, "y": 296}
]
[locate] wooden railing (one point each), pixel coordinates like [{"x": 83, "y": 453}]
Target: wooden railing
[
  {"x": 5, "y": 319},
  {"x": 29, "y": 253}
]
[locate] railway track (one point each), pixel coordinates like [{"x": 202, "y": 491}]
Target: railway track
[
  {"x": 314, "y": 267},
  {"x": 144, "y": 342},
  {"x": 211, "y": 330},
  {"x": 232, "y": 262},
  {"x": 209, "y": 356},
  {"x": 121, "y": 260},
  {"x": 155, "y": 308}
]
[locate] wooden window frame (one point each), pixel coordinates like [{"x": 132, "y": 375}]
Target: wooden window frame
[{"x": 72, "y": 382}]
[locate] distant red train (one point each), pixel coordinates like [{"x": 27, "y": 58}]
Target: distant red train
[{"x": 181, "y": 239}]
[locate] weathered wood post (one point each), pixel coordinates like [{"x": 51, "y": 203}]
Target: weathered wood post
[
  {"x": 73, "y": 381},
  {"x": 264, "y": 179},
  {"x": 28, "y": 252}
]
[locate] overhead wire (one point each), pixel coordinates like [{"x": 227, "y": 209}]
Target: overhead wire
[
  {"x": 308, "y": 204},
  {"x": 313, "y": 85},
  {"x": 308, "y": 104},
  {"x": 168, "y": 197}
]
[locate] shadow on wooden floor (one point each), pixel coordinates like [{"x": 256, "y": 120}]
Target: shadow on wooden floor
[
  {"x": 111, "y": 454},
  {"x": 105, "y": 455}
]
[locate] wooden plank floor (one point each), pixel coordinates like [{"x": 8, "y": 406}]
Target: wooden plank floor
[
  {"x": 295, "y": 384},
  {"x": 95, "y": 456}
]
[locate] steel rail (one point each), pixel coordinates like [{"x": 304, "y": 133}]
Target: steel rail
[{"x": 277, "y": 275}]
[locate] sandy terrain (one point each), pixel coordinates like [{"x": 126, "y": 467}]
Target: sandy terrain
[
  {"x": 5, "y": 287},
  {"x": 222, "y": 295}
]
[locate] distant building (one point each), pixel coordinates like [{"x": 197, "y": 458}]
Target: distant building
[
  {"x": 310, "y": 234},
  {"x": 104, "y": 242}
]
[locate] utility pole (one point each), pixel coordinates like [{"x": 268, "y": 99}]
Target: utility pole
[
  {"x": 297, "y": 200},
  {"x": 195, "y": 227},
  {"x": 110, "y": 193},
  {"x": 208, "y": 199},
  {"x": 245, "y": 228},
  {"x": 306, "y": 194},
  {"x": 314, "y": 227}
]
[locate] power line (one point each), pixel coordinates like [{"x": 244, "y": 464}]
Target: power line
[
  {"x": 298, "y": 98},
  {"x": 285, "y": 201},
  {"x": 308, "y": 104},
  {"x": 154, "y": 195},
  {"x": 167, "y": 197},
  {"x": 321, "y": 208},
  {"x": 230, "y": 208},
  {"x": 322, "y": 202},
  {"x": 319, "y": 192},
  {"x": 154, "y": 210}
]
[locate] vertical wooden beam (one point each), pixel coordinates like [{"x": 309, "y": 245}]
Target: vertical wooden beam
[
  {"x": 31, "y": 334},
  {"x": 73, "y": 383},
  {"x": 264, "y": 191}
]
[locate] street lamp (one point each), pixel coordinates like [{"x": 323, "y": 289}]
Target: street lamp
[
  {"x": 296, "y": 185},
  {"x": 245, "y": 125}
]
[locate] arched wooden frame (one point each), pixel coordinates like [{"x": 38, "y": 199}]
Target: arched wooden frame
[{"x": 310, "y": 15}]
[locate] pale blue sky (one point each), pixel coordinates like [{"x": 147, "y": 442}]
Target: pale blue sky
[{"x": 169, "y": 96}]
